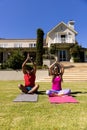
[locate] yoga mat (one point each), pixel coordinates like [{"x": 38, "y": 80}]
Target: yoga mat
[
  {"x": 62, "y": 99},
  {"x": 26, "y": 98}
]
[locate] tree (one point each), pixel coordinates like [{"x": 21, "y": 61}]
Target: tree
[
  {"x": 39, "y": 47},
  {"x": 15, "y": 60},
  {"x": 75, "y": 51}
]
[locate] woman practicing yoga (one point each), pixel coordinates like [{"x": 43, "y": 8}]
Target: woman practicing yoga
[
  {"x": 57, "y": 71},
  {"x": 29, "y": 77}
]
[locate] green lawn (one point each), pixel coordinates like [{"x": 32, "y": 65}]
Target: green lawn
[{"x": 42, "y": 115}]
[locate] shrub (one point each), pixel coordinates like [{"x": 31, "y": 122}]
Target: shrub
[
  {"x": 76, "y": 59},
  {"x": 15, "y": 60}
]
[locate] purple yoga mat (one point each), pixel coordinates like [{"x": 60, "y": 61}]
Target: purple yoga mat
[{"x": 62, "y": 99}]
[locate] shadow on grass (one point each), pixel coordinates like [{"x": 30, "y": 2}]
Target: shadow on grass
[
  {"x": 77, "y": 92},
  {"x": 72, "y": 93},
  {"x": 41, "y": 92}
]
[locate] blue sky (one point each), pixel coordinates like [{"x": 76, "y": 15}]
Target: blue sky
[{"x": 20, "y": 19}]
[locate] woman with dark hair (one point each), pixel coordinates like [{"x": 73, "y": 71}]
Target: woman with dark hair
[
  {"x": 29, "y": 77},
  {"x": 57, "y": 71}
]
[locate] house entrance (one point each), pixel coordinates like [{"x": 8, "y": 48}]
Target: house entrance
[{"x": 62, "y": 55}]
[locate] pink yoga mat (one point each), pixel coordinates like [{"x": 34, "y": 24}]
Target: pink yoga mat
[{"x": 63, "y": 99}]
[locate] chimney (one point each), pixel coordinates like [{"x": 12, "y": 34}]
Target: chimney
[{"x": 71, "y": 24}]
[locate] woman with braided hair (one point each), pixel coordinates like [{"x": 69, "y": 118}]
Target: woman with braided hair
[{"x": 57, "y": 71}]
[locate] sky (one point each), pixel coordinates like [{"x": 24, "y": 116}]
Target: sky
[{"x": 20, "y": 19}]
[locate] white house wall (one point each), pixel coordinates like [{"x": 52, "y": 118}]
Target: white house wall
[
  {"x": 70, "y": 36},
  {"x": 17, "y": 44},
  {"x": 55, "y": 37}
]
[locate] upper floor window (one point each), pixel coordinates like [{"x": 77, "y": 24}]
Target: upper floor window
[
  {"x": 32, "y": 45},
  {"x": 63, "y": 38}
]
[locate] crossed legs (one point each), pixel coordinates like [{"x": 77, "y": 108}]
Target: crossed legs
[{"x": 24, "y": 90}]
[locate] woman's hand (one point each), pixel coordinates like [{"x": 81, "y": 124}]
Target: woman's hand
[{"x": 28, "y": 56}]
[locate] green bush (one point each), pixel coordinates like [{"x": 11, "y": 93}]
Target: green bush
[
  {"x": 15, "y": 60},
  {"x": 76, "y": 59}
]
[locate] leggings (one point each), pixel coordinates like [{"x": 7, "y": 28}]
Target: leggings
[{"x": 64, "y": 91}]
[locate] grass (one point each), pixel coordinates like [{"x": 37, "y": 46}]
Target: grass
[{"x": 42, "y": 115}]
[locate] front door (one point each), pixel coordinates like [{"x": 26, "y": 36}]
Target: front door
[{"x": 62, "y": 55}]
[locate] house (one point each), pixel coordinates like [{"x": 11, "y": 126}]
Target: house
[
  {"x": 63, "y": 36},
  {"x": 59, "y": 40},
  {"x": 7, "y": 46},
  {"x": 62, "y": 33}
]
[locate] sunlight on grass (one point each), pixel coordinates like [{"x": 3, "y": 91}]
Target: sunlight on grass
[{"x": 42, "y": 115}]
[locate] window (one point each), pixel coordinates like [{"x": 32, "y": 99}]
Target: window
[
  {"x": 63, "y": 38},
  {"x": 30, "y": 45},
  {"x": 62, "y": 55},
  {"x": 34, "y": 45}
]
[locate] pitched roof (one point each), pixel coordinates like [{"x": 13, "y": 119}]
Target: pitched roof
[{"x": 62, "y": 23}]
